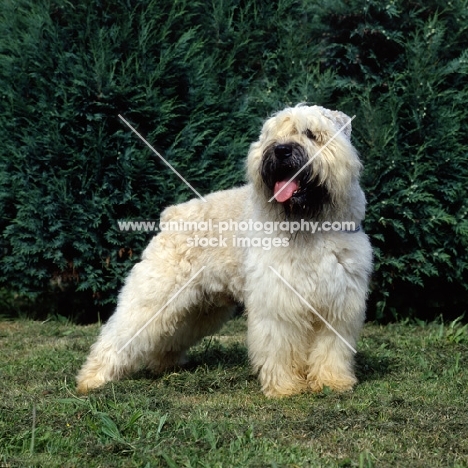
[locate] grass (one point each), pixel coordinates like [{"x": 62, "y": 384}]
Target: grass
[{"x": 409, "y": 409}]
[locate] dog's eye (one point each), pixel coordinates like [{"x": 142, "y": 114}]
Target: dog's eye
[{"x": 309, "y": 134}]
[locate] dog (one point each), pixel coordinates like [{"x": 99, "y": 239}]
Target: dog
[{"x": 276, "y": 245}]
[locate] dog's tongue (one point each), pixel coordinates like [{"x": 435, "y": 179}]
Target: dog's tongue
[{"x": 287, "y": 189}]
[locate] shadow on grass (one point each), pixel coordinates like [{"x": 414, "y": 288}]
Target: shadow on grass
[
  {"x": 201, "y": 374},
  {"x": 368, "y": 366},
  {"x": 202, "y": 371},
  {"x": 371, "y": 366},
  {"x": 215, "y": 354}
]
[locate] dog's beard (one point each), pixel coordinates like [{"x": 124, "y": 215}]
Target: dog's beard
[{"x": 305, "y": 196}]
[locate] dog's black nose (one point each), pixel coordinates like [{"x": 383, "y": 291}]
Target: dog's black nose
[{"x": 283, "y": 151}]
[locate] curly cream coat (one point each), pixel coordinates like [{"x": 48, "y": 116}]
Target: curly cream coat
[{"x": 181, "y": 291}]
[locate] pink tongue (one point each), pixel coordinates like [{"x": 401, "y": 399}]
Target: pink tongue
[{"x": 286, "y": 192}]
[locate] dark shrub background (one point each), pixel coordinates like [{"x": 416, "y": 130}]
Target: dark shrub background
[{"x": 197, "y": 78}]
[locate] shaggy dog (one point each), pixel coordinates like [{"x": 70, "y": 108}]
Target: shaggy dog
[{"x": 304, "y": 288}]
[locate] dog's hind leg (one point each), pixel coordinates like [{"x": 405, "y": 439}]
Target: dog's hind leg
[
  {"x": 160, "y": 314},
  {"x": 151, "y": 305},
  {"x": 202, "y": 321}
]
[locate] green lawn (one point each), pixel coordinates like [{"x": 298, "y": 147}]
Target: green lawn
[{"x": 408, "y": 410}]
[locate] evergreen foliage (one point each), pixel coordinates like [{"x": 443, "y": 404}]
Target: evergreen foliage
[{"x": 197, "y": 78}]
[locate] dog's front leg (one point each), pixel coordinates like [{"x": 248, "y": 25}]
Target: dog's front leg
[
  {"x": 274, "y": 350},
  {"x": 331, "y": 359}
]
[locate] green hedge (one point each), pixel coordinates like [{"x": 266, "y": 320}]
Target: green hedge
[{"x": 197, "y": 78}]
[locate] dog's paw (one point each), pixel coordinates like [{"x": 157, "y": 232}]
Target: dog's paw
[
  {"x": 283, "y": 385},
  {"x": 338, "y": 383},
  {"x": 84, "y": 386},
  {"x": 282, "y": 392}
]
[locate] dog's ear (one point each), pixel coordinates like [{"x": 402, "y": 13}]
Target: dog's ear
[
  {"x": 339, "y": 119},
  {"x": 342, "y": 119}
]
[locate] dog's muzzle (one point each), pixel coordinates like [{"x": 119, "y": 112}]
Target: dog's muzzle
[{"x": 289, "y": 177}]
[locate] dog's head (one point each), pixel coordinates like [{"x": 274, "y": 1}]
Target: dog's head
[{"x": 304, "y": 161}]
